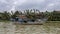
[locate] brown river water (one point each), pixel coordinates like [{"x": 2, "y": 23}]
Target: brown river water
[{"x": 10, "y": 28}]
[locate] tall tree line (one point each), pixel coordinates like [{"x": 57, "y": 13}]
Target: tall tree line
[{"x": 52, "y": 16}]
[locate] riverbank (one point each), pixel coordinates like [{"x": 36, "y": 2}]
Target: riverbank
[{"x": 47, "y": 28}]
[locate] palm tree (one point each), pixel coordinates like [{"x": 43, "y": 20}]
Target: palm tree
[
  {"x": 15, "y": 14},
  {"x": 6, "y": 15}
]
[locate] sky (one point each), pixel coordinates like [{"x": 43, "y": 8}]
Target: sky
[{"x": 29, "y": 4}]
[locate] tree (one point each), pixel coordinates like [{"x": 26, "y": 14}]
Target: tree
[
  {"x": 6, "y": 15},
  {"x": 15, "y": 14},
  {"x": 54, "y": 16}
]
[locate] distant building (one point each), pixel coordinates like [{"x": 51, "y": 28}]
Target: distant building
[{"x": 22, "y": 16}]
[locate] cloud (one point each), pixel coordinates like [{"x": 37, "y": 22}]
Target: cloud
[
  {"x": 54, "y": 5},
  {"x": 49, "y": 5},
  {"x": 29, "y": 4}
]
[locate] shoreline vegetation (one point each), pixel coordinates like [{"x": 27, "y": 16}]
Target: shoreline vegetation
[{"x": 29, "y": 16}]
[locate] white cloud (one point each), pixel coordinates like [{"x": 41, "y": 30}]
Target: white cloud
[
  {"x": 19, "y": 2},
  {"x": 51, "y": 4},
  {"x": 16, "y": 3},
  {"x": 39, "y": 1},
  {"x": 24, "y": 4},
  {"x": 3, "y": 1}
]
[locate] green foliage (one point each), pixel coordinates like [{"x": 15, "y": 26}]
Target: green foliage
[
  {"x": 5, "y": 15},
  {"x": 54, "y": 16},
  {"x": 15, "y": 14}
]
